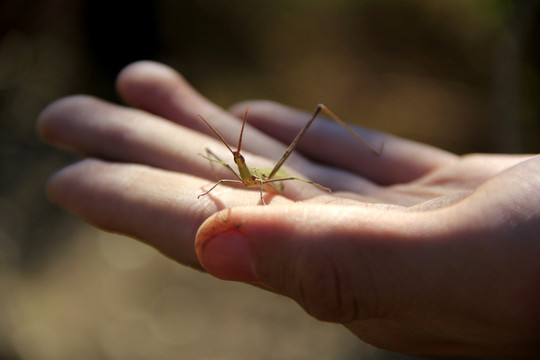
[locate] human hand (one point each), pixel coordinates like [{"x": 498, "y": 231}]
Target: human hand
[{"x": 416, "y": 250}]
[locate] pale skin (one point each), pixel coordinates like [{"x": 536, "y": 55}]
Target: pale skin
[{"x": 417, "y": 250}]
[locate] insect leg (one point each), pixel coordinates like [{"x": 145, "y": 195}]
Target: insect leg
[
  {"x": 216, "y": 159},
  {"x": 299, "y": 179},
  {"x": 292, "y": 146},
  {"x": 262, "y": 189},
  {"x": 217, "y": 184},
  {"x": 336, "y": 118}
]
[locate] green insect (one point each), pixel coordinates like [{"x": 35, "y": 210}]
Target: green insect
[{"x": 269, "y": 179}]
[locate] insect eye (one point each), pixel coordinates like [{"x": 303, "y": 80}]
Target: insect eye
[{"x": 238, "y": 158}]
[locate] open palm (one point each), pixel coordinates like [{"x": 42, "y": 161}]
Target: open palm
[{"x": 378, "y": 254}]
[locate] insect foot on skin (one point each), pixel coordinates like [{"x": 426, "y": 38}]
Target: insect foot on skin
[{"x": 269, "y": 179}]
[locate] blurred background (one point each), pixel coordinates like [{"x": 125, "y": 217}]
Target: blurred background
[{"x": 462, "y": 75}]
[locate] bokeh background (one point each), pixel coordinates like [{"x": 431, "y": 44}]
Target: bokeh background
[{"x": 461, "y": 74}]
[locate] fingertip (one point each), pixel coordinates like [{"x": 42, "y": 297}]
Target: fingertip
[
  {"x": 159, "y": 89},
  {"x": 227, "y": 256},
  {"x": 54, "y": 185},
  {"x": 44, "y": 120},
  {"x": 210, "y": 227},
  {"x": 224, "y": 249},
  {"x": 50, "y": 122},
  {"x": 60, "y": 185},
  {"x": 143, "y": 72}
]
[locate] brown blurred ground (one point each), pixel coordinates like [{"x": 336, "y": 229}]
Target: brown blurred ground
[{"x": 461, "y": 75}]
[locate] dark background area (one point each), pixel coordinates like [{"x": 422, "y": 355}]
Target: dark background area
[{"x": 462, "y": 75}]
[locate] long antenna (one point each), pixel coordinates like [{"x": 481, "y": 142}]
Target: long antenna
[
  {"x": 242, "y": 130},
  {"x": 218, "y": 134}
]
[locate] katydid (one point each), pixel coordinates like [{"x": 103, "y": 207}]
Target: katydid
[{"x": 266, "y": 178}]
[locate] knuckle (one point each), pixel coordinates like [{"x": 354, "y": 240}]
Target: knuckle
[{"x": 324, "y": 292}]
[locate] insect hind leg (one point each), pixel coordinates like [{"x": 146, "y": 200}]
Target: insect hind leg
[
  {"x": 299, "y": 179},
  {"x": 217, "y": 184},
  {"x": 213, "y": 158}
]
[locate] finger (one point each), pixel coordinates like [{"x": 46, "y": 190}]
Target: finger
[
  {"x": 158, "y": 207},
  {"x": 382, "y": 272},
  {"x": 97, "y": 128},
  {"x": 400, "y": 161},
  {"x": 94, "y": 127},
  {"x": 308, "y": 252},
  {"x": 162, "y": 91}
]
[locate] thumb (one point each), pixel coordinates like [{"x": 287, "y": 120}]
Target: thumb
[{"x": 324, "y": 257}]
